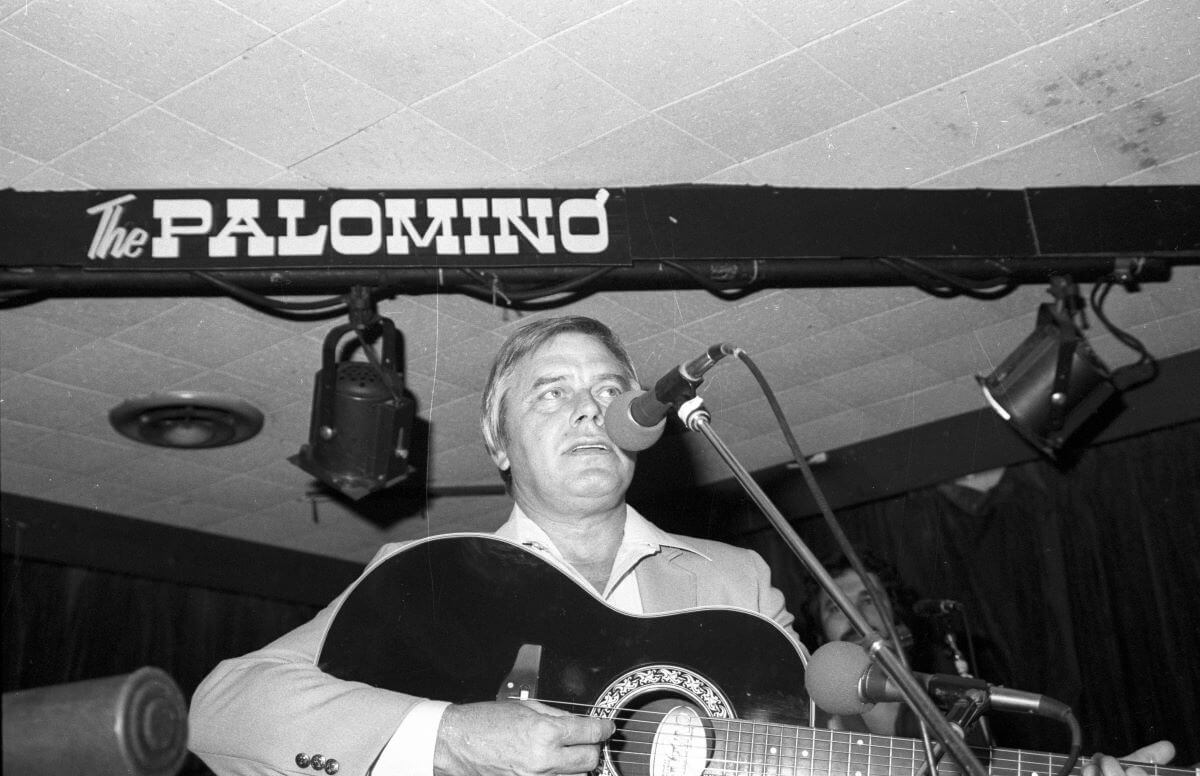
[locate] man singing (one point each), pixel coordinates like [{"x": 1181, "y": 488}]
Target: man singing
[{"x": 543, "y": 425}]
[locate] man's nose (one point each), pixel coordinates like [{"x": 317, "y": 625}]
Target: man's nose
[{"x": 587, "y": 408}]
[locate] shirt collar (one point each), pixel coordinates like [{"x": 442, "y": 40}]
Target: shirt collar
[{"x": 638, "y": 531}]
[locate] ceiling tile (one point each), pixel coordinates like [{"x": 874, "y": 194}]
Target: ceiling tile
[
  {"x": 98, "y": 492},
  {"x": 547, "y": 17},
  {"x": 803, "y": 404},
  {"x": 923, "y": 42},
  {"x": 1090, "y": 153},
  {"x": 48, "y": 107},
  {"x": 170, "y": 472},
  {"x": 869, "y": 151},
  {"x": 177, "y": 41},
  {"x": 249, "y": 494},
  {"x": 264, "y": 398},
  {"x": 688, "y": 45},
  {"x": 492, "y": 110},
  {"x": 181, "y": 512},
  {"x": 647, "y": 152},
  {"x": 1184, "y": 171},
  {"x": 200, "y": 332},
  {"x": 15, "y": 435},
  {"x": 1161, "y": 126},
  {"x": 809, "y": 359},
  {"x": 965, "y": 121},
  {"x": 403, "y": 151},
  {"x": 1125, "y": 56},
  {"x": 763, "y": 323},
  {"x": 768, "y": 107},
  {"x": 28, "y": 342},
  {"x": 284, "y": 364},
  {"x": 904, "y": 328},
  {"x": 407, "y": 53},
  {"x": 1042, "y": 21},
  {"x": 280, "y": 103},
  {"x": 670, "y": 308},
  {"x": 844, "y": 305},
  {"x": 46, "y": 178},
  {"x": 821, "y": 435},
  {"x": 819, "y": 17},
  {"x": 100, "y": 316},
  {"x": 884, "y": 379},
  {"x": 117, "y": 369},
  {"x": 946, "y": 399},
  {"x": 955, "y": 357},
  {"x": 280, "y": 16},
  {"x": 88, "y": 455},
  {"x": 14, "y": 167},
  {"x": 169, "y": 153}
]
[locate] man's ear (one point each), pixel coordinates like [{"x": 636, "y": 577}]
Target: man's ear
[{"x": 500, "y": 458}]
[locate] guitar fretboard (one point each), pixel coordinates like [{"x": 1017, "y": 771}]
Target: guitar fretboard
[{"x": 745, "y": 748}]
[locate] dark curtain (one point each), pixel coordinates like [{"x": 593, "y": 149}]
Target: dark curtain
[
  {"x": 1083, "y": 584},
  {"x": 65, "y": 624}
]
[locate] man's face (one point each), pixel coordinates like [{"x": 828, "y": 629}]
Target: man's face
[
  {"x": 835, "y": 624},
  {"x": 561, "y": 459}
]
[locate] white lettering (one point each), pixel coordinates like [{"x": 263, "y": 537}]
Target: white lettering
[
  {"x": 508, "y": 211},
  {"x": 584, "y": 209},
  {"x": 475, "y": 208},
  {"x": 110, "y": 239},
  {"x": 168, "y": 213},
  {"x": 241, "y": 218},
  {"x": 356, "y": 244},
  {"x": 440, "y": 210},
  {"x": 292, "y": 243}
]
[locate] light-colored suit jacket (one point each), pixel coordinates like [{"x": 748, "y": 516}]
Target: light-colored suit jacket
[{"x": 255, "y": 713}]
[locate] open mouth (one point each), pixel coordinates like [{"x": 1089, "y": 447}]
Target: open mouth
[{"x": 590, "y": 447}]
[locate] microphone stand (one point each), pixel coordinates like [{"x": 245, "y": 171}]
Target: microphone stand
[{"x": 694, "y": 415}]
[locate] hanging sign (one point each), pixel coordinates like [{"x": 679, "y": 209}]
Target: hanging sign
[{"x": 208, "y": 229}]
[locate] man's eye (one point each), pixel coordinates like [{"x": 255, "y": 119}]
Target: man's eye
[
  {"x": 610, "y": 392},
  {"x": 552, "y": 393}
]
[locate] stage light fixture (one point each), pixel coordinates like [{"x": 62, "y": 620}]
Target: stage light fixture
[
  {"x": 1054, "y": 383},
  {"x": 362, "y": 419}
]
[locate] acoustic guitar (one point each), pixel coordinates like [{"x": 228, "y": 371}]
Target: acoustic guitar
[{"x": 710, "y": 691}]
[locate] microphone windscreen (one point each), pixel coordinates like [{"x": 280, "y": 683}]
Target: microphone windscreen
[
  {"x": 625, "y": 432},
  {"x": 832, "y": 677}
]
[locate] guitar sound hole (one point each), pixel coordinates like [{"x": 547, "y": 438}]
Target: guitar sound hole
[{"x": 660, "y": 734}]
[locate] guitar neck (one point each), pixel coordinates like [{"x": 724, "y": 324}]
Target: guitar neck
[{"x": 749, "y": 748}]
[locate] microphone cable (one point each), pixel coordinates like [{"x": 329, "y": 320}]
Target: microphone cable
[{"x": 839, "y": 535}]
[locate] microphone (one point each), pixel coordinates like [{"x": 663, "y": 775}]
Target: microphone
[
  {"x": 841, "y": 679},
  {"x": 933, "y": 607},
  {"x": 635, "y": 420}
]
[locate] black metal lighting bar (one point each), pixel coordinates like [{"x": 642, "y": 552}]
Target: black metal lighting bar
[
  {"x": 530, "y": 242},
  {"x": 751, "y": 274}
]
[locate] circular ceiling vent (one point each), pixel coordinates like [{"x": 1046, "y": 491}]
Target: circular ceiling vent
[{"x": 186, "y": 419}]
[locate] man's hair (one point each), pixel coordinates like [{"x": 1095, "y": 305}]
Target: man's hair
[
  {"x": 900, "y": 595},
  {"x": 523, "y": 343}
]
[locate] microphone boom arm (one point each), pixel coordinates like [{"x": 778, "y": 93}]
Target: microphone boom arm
[{"x": 696, "y": 418}]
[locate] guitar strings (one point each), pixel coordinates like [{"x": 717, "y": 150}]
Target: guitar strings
[{"x": 748, "y": 739}]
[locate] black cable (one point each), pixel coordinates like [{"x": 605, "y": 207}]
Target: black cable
[
  {"x": 330, "y": 305},
  {"x": 843, "y": 541},
  {"x": 492, "y": 290},
  {"x": 926, "y": 278},
  {"x": 715, "y": 289},
  {"x": 1146, "y": 363}
]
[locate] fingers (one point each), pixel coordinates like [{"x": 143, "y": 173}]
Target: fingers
[
  {"x": 1160, "y": 753},
  {"x": 1100, "y": 764}
]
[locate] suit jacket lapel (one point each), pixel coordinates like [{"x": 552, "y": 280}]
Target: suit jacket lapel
[{"x": 664, "y": 583}]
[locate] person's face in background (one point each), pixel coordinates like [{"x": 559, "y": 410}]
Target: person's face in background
[{"x": 834, "y": 624}]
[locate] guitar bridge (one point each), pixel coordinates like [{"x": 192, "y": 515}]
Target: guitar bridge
[{"x": 522, "y": 681}]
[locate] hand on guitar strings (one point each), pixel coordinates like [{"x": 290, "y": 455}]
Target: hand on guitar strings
[
  {"x": 517, "y": 738},
  {"x": 1158, "y": 753}
]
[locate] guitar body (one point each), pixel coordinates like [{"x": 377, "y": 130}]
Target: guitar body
[
  {"x": 447, "y": 617},
  {"x": 707, "y": 691}
]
